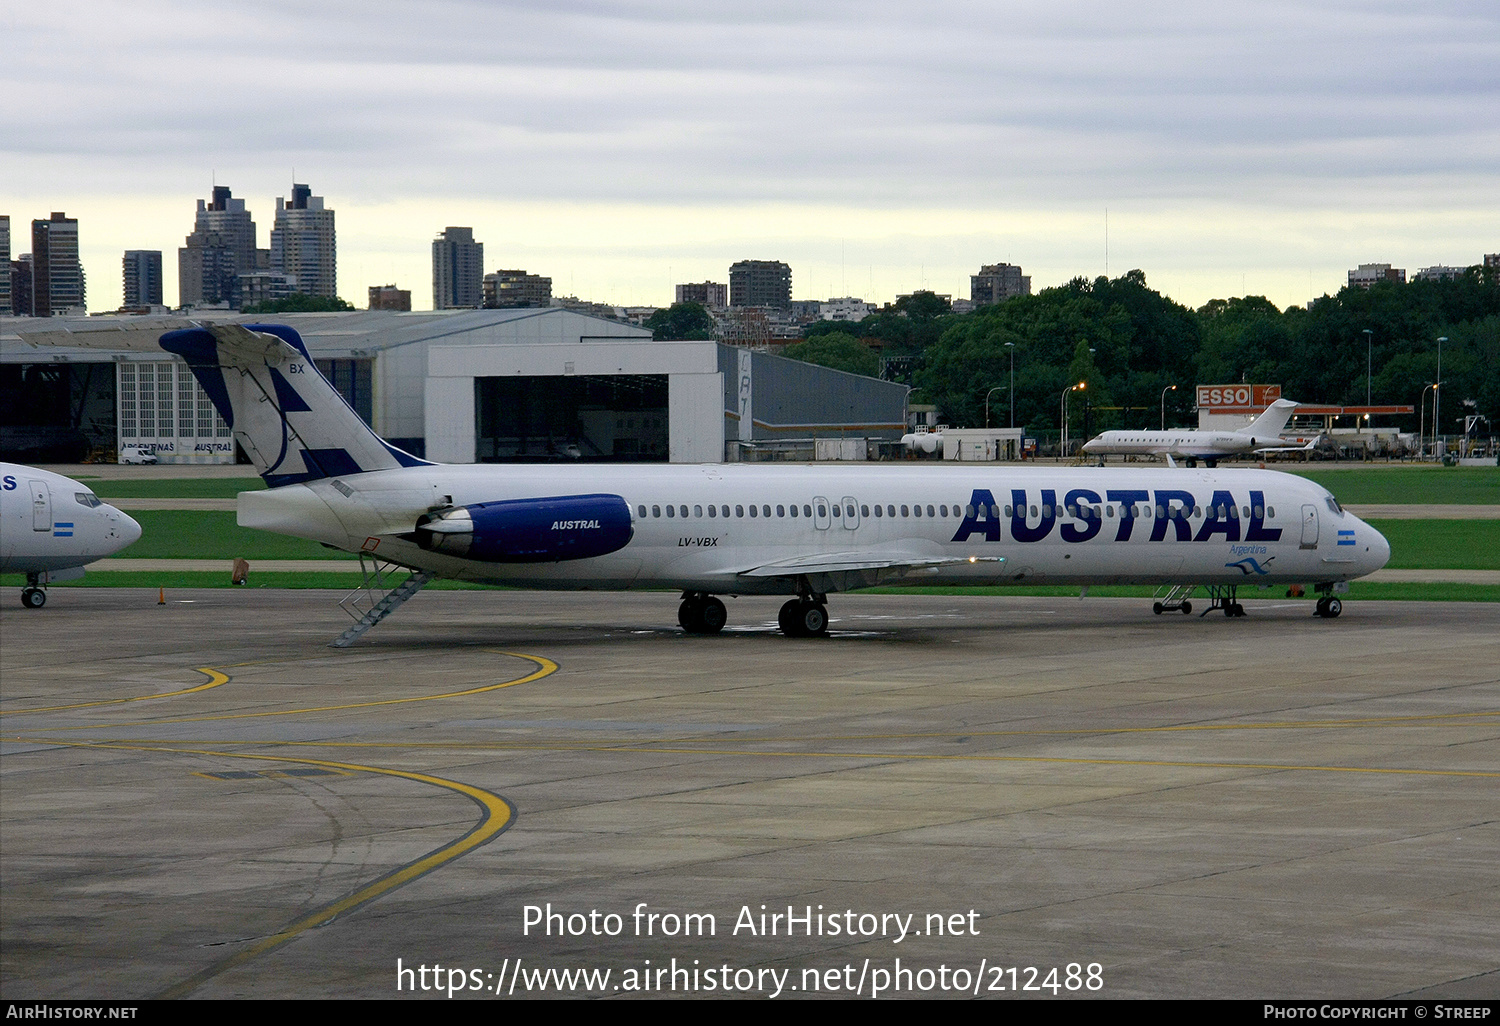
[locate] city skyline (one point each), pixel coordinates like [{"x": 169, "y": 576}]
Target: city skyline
[{"x": 622, "y": 149}]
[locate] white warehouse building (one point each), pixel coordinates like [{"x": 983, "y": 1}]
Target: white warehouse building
[{"x": 458, "y": 386}]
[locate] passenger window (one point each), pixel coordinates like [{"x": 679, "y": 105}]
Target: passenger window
[
  {"x": 838, "y": 511},
  {"x": 1033, "y": 511},
  {"x": 969, "y": 510},
  {"x": 879, "y": 511},
  {"x": 656, "y": 511},
  {"x": 890, "y": 511},
  {"x": 794, "y": 510},
  {"x": 1160, "y": 511},
  {"x": 864, "y": 511},
  {"x": 849, "y": 511},
  {"x": 739, "y": 511},
  {"x": 931, "y": 512},
  {"x": 766, "y": 509},
  {"x": 697, "y": 511},
  {"x": 1010, "y": 510},
  {"x": 943, "y": 510},
  {"x": 1260, "y": 511},
  {"x": 1109, "y": 511},
  {"x": 780, "y": 511},
  {"x": 713, "y": 511},
  {"x": 753, "y": 511},
  {"x": 684, "y": 511},
  {"x": 671, "y": 511},
  {"x": 1270, "y": 512}
]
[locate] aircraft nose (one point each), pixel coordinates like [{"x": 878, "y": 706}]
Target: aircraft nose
[
  {"x": 1379, "y": 553},
  {"x": 126, "y": 530}
]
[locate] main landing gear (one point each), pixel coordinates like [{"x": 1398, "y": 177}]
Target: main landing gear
[{"x": 701, "y": 613}]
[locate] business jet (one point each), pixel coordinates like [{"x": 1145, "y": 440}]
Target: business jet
[
  {"x": 711, "y": 530},
  {"x": 51, "y": 526},
  {"x": 1261, "y": 435}
]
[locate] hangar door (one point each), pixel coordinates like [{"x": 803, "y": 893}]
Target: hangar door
[{"x": 605, "y": 418}]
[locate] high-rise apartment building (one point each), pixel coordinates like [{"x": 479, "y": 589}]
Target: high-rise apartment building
[
  {"x": 221, "y": 247},
  {"x": 516, "y": 288},
  {"x": 457, "y": 270},
  {"x": 766, "y": 283},
  {"x": 142, "y": 277},
  {"x": 4, "y": 263},
  {"x": 57, "y": 283},
  {"x": 711, "y": 294},
  {"x": 20, "y": 285},
  {"x": 1368, "y": 274},
  {"x": 998, "y": 282},
  {"x": 303, "y": 245}
]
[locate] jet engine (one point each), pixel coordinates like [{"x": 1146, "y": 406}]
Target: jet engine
[{"x": 544, "y": 530}]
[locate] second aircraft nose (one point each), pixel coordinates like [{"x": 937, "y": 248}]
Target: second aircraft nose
[{"x": 127, "y": 532}]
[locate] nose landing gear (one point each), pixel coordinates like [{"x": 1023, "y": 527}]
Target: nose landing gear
[{"x": 701, "y": 613}]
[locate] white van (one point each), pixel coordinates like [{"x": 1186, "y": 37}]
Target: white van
[{"x": 142, "y": 454}]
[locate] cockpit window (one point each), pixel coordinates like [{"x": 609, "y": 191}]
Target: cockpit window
[
  {"x": 87, "y": 499},
  {"x": 1333, "y": 505}
]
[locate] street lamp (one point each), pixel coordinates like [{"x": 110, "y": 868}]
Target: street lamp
[
  {"x": 1012, "y": 347},
  {"x": 1169, "y": 388},
  {"x": 1071, "y": 388},
  {"x": 1369, "y": 364},
  {"x": 987, "y": 403},
  {"x": 1422, "y": 419},
  {"x": 1439, "y": 381}
]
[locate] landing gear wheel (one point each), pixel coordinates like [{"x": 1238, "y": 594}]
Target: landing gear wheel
[
  {"x": 1187, "y": 608},
  {"x": 1156, "y": 608},
  {"x": 813, "y": 619},
  {"x": 799, "y": 619},
  {"x": 702, "y": 615},
  {"x": 1234, "y": 609},
  {"x": 786, "y": 619},
  {"x": 712, "y": 616},
  {"x": 33, "y": 598},
  {"x": 1329, "y": 607}
]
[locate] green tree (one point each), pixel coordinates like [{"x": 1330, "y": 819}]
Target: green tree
[
  {"x": 838, "y": 350},
  {"x": 680, "y": 321},
  {"x": 300, "y": 302}
]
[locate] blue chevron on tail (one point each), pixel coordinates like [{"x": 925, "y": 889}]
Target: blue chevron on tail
[{"x": 288, "y": 418}]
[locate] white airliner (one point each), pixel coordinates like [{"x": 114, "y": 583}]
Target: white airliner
[
  {"x": 1261, "y": 435},
  {"x": 800, "y": 531},
  {"x": 50, "y": 526}
]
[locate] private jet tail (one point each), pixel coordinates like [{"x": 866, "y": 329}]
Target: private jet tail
[
  {"x": 288, "y": 418},
  {"x": 1270, "y": 423}
]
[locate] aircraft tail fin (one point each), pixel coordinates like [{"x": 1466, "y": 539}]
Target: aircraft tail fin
[
  {"x": 288, "y": 418},
  {"x": 1272, "y": 420}
]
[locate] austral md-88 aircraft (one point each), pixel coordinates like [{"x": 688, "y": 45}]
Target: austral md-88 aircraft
[
  {"x": 799, "y": 531},
  {"x": 50, "y": 526}
]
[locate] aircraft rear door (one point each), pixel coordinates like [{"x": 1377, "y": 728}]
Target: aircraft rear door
[
  {"x": 1309, "y": 526},
  {"x": 851, "y": 513},
  {"x": 41, "y": 506}
]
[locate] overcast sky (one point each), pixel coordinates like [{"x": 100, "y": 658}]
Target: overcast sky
[{"x": 1249, "y": 148}]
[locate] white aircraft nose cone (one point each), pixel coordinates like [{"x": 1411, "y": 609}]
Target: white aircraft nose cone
[
  {"x": 127, "y": 531},
  {"x": 1380, "y": 550}
]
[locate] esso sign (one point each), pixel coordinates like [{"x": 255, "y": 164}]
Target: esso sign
[{"x": 1237, "y": 397}]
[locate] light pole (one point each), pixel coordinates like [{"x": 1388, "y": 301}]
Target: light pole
[
  {"x": 1422, "y": 419},
  {"x": 987, "y": 403},
  {"x": 1369, "y": 363},
  {"x": 1435, "y": 386},
  {"x": 1071, "y": 388},
  {"x": 1012, "y": 347},
  {"x": 1169, "y": 388}
]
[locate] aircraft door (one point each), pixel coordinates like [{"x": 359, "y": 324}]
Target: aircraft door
[
  {"x": 851, "y": 513},
  {"x": 41, "y": 506},
  {"x": 1309, "y": 526},
  {"x": 820, "y": 513}
]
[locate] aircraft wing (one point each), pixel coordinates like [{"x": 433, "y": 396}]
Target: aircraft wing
[
  {"x": 1290, "y": 448},
  {"x": 837, "y": 562}
]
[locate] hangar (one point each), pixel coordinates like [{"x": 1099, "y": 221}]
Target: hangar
[{"x": 460, "y": 386}]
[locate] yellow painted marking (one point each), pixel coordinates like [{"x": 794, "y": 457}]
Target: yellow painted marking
[
  {"x": 215, "y": 678},
  {"x": 545, "y": 667},
  {"x": 497, "y": 814}
]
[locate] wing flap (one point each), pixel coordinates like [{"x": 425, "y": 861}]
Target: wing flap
[{"x": 839, "y": 562}]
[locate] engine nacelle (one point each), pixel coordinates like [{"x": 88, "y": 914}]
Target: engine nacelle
[{"x": 529, "y": 530}]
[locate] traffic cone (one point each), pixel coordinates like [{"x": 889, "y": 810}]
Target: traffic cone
[{"x": 161, "y": 597}]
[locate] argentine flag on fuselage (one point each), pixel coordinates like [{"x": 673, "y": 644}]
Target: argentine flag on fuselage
[{"x": 288, "y": 418}]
